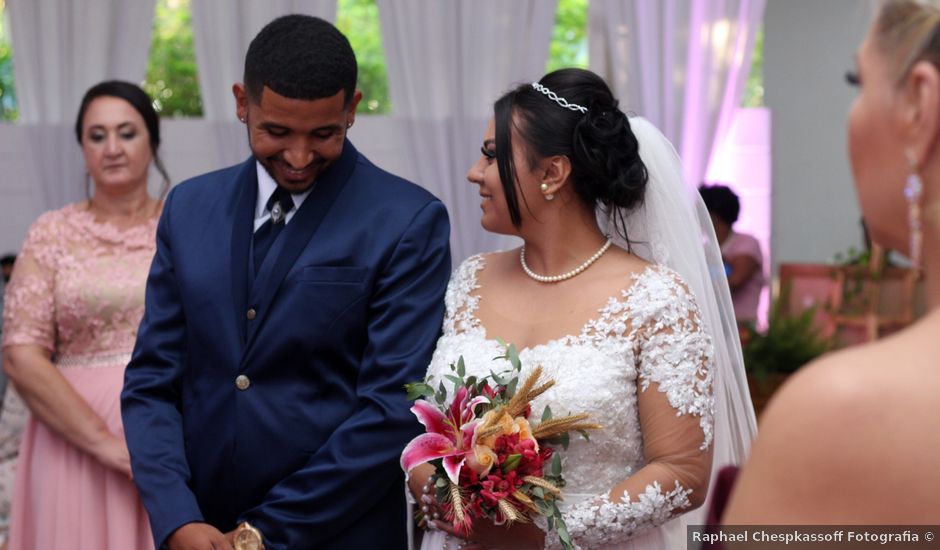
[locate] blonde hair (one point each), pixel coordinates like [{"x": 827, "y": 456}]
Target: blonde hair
[{"x": 908, "y": 31}]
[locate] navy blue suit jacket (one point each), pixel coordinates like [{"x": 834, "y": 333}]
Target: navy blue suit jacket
[{"x": 345, "y": 309}]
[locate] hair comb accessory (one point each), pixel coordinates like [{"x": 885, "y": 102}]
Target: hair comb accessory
[{"x": 559, "y": 100}]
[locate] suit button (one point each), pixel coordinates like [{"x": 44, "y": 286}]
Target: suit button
[
  {"x": 242, "y": 382},
  {"x": 251, "y": 314}
]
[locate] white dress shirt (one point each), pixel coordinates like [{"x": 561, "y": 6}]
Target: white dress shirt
[{"x": 266, "y": 188}]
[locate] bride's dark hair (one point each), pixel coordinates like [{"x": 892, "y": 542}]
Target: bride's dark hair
[{"x": 606, "y": 168}]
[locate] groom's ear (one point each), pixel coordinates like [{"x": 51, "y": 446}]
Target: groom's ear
[
  {"x": 241, "y": 101},
  {"x": 922, "y": 109},
  {"x": 556, "y": 171}
]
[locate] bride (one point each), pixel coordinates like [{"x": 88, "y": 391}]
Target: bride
[{"x": 615, "y": 296}]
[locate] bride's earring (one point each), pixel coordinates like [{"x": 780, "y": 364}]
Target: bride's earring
[
  {"x": 913, "y": 191},
  {"x": 548, "y": 196}
]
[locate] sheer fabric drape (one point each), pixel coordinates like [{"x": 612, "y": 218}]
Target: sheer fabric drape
[
  {"x": 681, "y": 64},
  {"x": 60, "y": 50},
  {"x": 447, "y": 63}
]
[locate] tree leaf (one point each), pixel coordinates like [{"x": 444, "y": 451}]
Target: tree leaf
[
  {"x": 547, "y": 413},
  {"x": 556, "y": 464},
  {"x": 461, "y": 367}
]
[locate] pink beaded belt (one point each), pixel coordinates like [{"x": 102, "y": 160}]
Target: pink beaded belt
[{"x": 93, "y": 360}]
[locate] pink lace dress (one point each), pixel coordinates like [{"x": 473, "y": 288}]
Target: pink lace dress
[{"x": 78, "y": 291}]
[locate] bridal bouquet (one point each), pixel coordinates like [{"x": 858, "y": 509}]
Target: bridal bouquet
[{"x": 491, "y": 460}]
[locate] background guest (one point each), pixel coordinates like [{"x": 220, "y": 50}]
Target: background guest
[
  {"x": 6, "y": 265},
  {"x": 73, "y": 306},
  {"x": 744, "y": 262}
]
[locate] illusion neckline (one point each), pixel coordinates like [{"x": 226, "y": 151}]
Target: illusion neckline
[{"x": 473, "y": 303}]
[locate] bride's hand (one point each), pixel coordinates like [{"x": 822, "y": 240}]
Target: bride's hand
[
  {"x": 418, "y": 480},
  {"x": 486, "y": 535}
]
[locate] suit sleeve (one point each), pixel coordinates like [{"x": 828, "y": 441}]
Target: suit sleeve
[
  {"x": 150, "y": 401},
  {"x": 360, "y": 459}
]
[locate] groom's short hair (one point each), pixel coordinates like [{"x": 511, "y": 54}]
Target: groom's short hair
[{"x": 300, "y": 57}]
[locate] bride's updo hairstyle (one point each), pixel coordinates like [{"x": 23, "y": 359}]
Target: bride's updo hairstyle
[{"x": 582, "y": 122}]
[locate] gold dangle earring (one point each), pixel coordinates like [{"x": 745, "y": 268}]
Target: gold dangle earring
[{"x": 913, "y": 191}]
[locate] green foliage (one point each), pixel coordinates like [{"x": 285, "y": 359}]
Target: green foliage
[
  {"x": 856, "y": 267},
  {"x": 569, "y": 46},
  {"x": 754, "y": 90},
  {"x": 172, "y": 79},
  {"x": 9, "y": 108},
  {"x": 790, "y": 342},
  {"x": 359, "y": 21}
]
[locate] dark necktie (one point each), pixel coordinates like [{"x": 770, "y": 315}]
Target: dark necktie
[{"x": 278, "y": 205}]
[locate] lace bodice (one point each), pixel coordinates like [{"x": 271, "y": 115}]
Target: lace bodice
[
  {"x": 78, "y": 286},
  {"x": 646, "y": 336}
]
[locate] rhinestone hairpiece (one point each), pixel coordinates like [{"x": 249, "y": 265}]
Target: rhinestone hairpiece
[{"x": 559, "y": 100}]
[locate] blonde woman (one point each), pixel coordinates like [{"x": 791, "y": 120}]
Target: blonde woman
[{"x": 853, "y": 438}]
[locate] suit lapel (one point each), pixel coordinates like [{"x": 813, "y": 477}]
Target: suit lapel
[
  {"x": 242, "y": 229},
  {"x": 297, "y": 234}
]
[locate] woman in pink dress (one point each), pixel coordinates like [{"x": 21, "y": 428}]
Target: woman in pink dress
[{"x": 72, "y": 310}]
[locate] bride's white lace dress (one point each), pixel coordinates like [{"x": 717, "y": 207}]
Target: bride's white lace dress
[{"x": 646, "y": 338}]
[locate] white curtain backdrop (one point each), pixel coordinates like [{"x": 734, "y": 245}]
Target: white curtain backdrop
[
  {"x": 222, "y": 31},
  {"x": 60, "y": 50},
  {"x": 446, "y": 67},
  {"x": 682, "y": 64}
]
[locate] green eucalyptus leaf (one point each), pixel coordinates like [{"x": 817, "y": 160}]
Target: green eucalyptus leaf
[
  {"x": 556, "y": 465},
  {"x": 514, "y": 357},
  {"x": 511, "y": 387},
  {"x": 547, "y": 413}
]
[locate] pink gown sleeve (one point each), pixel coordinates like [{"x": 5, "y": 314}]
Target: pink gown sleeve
[{"x": 29, "y": 303}]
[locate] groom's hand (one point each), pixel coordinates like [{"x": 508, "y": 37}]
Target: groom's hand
[{"x": 198, "y": 536}]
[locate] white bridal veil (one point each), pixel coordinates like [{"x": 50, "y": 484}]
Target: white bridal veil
[{"x": 673, "y": 228}]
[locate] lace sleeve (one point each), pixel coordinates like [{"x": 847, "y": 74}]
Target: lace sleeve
[
  {"x": 29, "y": 308},
  {"x": 675, "y": 364}
]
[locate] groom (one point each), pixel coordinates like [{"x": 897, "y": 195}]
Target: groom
[{"x": 290, "y": 298}]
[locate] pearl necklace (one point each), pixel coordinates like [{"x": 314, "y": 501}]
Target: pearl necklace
[{"x": 563, "y": 276}]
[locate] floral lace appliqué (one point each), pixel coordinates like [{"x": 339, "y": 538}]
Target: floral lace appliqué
[
  {"x": 78, "y": 286},
  {"x": 598, "y": 523}
]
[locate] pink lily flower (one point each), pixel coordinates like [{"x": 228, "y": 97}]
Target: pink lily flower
[{"x": 448, "y": 436}]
